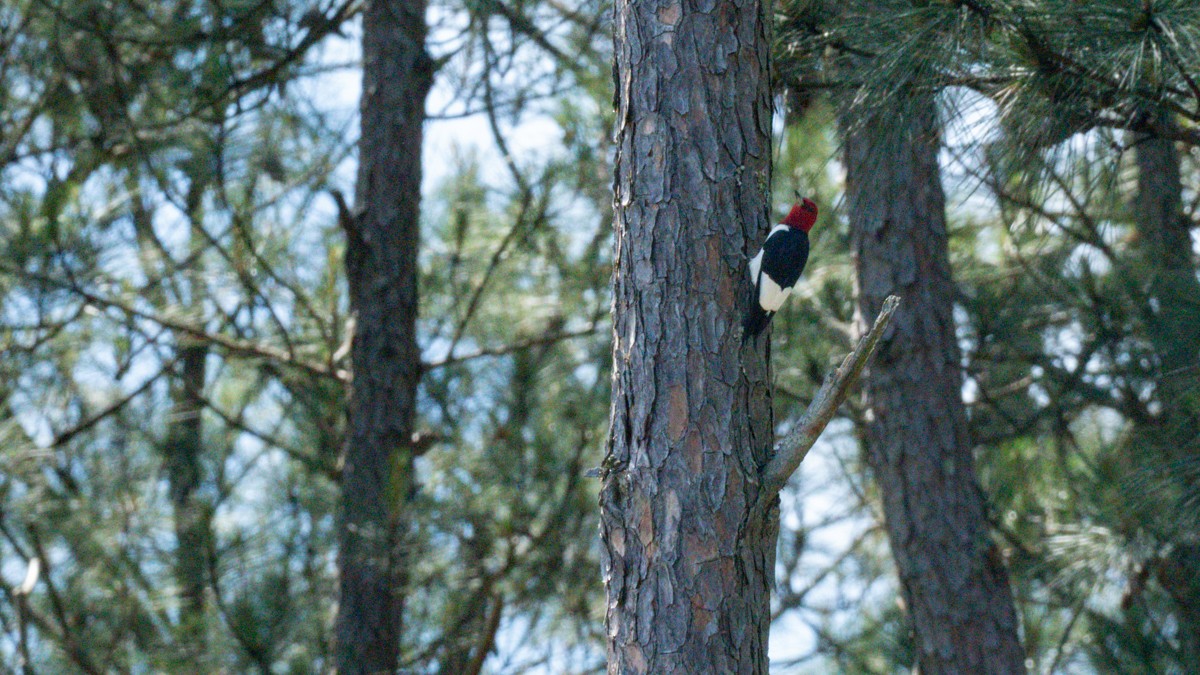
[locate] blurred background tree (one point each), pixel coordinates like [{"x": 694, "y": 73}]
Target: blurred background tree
[
  {"x": 1069, "y": 138},
  {"x": 176, "y": 322}
]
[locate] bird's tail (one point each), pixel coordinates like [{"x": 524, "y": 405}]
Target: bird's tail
[{"x": 755, "y": 322}]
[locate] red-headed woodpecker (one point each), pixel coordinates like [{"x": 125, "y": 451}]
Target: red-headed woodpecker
[{"x": 777, "y": 267}]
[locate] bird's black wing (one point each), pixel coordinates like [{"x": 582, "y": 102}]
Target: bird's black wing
[
  {"x": 756, "y": 321},
  {"x": 784, "y": 256}
]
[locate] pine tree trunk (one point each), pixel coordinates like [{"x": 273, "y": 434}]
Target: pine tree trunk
[
  {"x": 1167, "y": 247},
  {"x": 381, "y": 268},
  {"x": 955, "y": 585},
  {"x": 687, "y": 574},
  {"x": 1174, "y": 327},
  {"x": 184, "y": 447}
]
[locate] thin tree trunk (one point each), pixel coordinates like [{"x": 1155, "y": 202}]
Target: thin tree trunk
[
  {"x": 1159, "y": 205},
  {"x": 184, "y": 446},
  {"x": 687, "y": 572},
  {"x": 954, "y": 582},
  {"x": 381, "y": 267},
  {"x": 1174, "y": 327},
  {"x": 1167, "y": 247}
]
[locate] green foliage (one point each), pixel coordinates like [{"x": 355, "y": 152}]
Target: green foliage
[
  {"x": 164, "y": 183},
  {"x": 1078, "y": 334}
]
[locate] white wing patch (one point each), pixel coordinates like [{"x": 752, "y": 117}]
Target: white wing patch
[{"x": 771, "y": 296}]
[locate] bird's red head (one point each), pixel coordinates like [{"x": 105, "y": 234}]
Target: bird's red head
[{"x": 802, "y": 215}]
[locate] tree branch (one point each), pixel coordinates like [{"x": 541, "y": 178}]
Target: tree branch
[
  {"x": 501, "y": 350},
  {"x": 113, "y": 408},
  {"x": 488, "y": 638},
  {"x": 792, "y": 448},
  {"x": 230, "y": 344}
]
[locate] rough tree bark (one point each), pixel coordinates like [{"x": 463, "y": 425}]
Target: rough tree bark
[
  {"x": 1167, "y": 248},
  {"x": 381, "y": 269},
  {"x": 687, "y": 572},
  {"x": 954, "y": 582},
  {"x": 1174, "y": 326}
]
